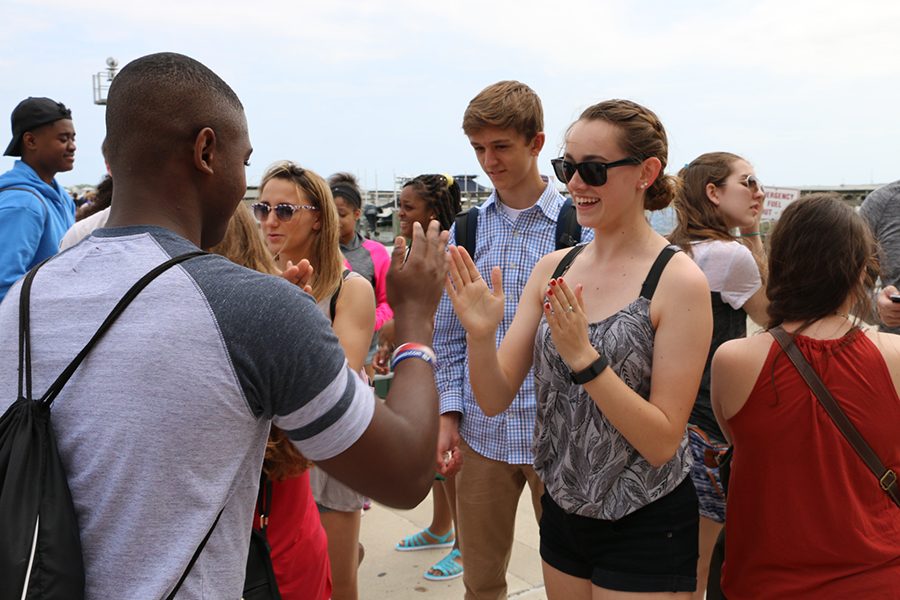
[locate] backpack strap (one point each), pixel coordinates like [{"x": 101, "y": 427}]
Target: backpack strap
[
  {"x": 24, "y": 333},
  {"x": 568, "y": 231},
  {"x": 32, "y": 192},
  {"x": 196, "y": 555},
  {"x": 56, "y": 386},
  {"x": 887, "y": 478},
  {"x": 466, "y": 226},
  {"x": 648, "y": 288},
  {"x": 264, "y": 501},
  {"x": 566, "y": 262}
]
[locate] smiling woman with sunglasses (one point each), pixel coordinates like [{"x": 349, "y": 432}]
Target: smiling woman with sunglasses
[
  {"x": 720, "y": 195},
  {"x": 300, "y": 220},
  {"x": 617, "y": 331}
]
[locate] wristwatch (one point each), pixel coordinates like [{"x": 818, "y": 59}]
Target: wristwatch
[{"x": 589, "y": 372}]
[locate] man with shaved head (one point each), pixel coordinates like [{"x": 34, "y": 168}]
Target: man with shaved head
[{"x": 162, "y": 429}]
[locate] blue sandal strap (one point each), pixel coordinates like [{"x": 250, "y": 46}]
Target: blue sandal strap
[
  {"x": 417, "y": 540},
  {"x": 438, "y": 539},
  {"x": 448, "y": 566}
]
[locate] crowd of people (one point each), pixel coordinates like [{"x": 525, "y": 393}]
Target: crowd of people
[{"x": 614, "y": 376}]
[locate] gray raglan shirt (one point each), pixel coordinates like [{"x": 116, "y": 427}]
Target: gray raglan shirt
[{"x": 165, "y": 422}]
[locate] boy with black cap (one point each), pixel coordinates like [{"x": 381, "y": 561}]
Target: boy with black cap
[{"x": 35, "y": 211}]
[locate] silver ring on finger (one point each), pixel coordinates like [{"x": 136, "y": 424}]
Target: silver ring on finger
[{"x": 571, "y": 308}]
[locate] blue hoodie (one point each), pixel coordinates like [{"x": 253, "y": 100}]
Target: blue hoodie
[{"x": 30, "y": 230}]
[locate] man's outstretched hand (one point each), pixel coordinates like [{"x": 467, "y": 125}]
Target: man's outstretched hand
[{"x": 415, "y": 281}]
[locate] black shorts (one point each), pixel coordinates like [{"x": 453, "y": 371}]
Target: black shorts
[{"x": 653, "y": 549}]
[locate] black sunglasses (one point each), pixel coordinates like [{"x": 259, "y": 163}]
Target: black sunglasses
[
  {"x": 592, "y": 173},
  {"x": 283, "y": 212}
]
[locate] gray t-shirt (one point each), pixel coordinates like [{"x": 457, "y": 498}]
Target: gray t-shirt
[
  {"x": 165, "y": 422},
  {"x": 881, "y": 209}
]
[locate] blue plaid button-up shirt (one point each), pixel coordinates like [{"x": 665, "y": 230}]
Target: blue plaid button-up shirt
[{"x": 515, "y": 247}]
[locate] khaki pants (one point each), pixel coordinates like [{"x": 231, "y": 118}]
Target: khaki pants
[{"x": 487, "y": 495}]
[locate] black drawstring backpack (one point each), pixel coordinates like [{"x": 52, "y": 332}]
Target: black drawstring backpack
[{"x": 40, "y": 549}]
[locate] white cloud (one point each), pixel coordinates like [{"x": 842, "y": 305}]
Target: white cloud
[{"x": 799, "y": 86}]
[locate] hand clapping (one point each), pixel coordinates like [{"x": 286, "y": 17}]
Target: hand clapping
[{"x": 564, "y": 310}]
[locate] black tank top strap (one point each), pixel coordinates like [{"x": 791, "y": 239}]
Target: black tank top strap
[
  {"x": 332, "y": 304},
  {"x": 567, "y": 261},
  {"x": 649, "y": 286}
]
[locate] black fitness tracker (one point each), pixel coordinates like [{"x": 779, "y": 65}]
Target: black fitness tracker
[{"x": 590, "y": 372}]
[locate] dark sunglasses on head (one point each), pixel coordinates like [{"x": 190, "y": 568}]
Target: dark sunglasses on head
[
  {"x": 753, "y": 183},
  {"x": 283, "y": 212},
  {"x": 592, "y": 172}
]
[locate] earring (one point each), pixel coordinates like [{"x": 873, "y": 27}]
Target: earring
[{"x": 643, "y": 185}]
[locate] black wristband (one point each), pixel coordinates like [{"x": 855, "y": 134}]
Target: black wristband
[{"x": 590, "y": 372}]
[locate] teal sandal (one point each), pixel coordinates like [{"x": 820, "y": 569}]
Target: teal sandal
[
  {"x": 418, "y": 541},
  {"x": 447, "y": 567}
]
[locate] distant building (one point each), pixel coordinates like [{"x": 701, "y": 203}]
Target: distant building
[
  {"x": 472, "y": 192},
  {"x": 663, "y": 221}
]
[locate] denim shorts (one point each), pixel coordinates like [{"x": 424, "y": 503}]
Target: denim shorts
[
  {"x": 707, "y": 482},
  {"x": 653, "y": 549}
]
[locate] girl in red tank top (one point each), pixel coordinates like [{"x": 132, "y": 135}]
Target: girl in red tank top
[{"x": 806, "y": 518}]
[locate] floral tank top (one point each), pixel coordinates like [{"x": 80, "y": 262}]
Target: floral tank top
[{"x": 587, "y": 466}]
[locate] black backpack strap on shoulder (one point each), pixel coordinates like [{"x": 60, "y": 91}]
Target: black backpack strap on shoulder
[
  {"x": 130, "y": 295},
  {"x": 566, "y": 262},
  {"x": 466, "y": 226},
  {"x": 887, "y": 478},
  {"x": 25, "y": 332},
  {"x": 568, "y": 231},
  {"x": 649, "y": 286},
  {"x": 196, "y": 555},
  {"x": 459, "y": 234}
]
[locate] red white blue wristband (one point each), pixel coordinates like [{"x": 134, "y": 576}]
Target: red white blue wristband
[{"x": 412, "y": 350}]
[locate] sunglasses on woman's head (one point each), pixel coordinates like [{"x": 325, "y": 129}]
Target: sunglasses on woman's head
[
  {"x": 283, "y": 212},
  {"x": 592, "y": 172},
  {"x": 753, "y": 184}
]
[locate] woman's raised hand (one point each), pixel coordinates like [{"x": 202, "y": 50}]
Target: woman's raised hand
[
  {"x": 564, "y": 310},
  {"x": 478, "y": 308},
  {"x": 299, "y": 274}
]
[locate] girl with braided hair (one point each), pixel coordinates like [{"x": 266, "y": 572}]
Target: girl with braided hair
[
  {"x": 428, "y": 197},
  {"x": 423, "y": 199},
  {"x": 617, "y": 331}
]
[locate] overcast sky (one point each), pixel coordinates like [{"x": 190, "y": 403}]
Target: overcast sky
[{"x": 808, "y": 90}]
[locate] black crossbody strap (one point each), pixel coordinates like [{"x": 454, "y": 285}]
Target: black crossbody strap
[
  {"x": 25, "y": 331},
  {"x": 56, "y": 386},
  {"x": 196, "y": 555},
  {"x": 264, "y": 502},
  {"x": 887, "y": 478},
  {"x": 130, "y": 295}
]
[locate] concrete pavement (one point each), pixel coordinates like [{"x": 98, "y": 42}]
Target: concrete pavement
[{"x": 386, "y": 573}]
